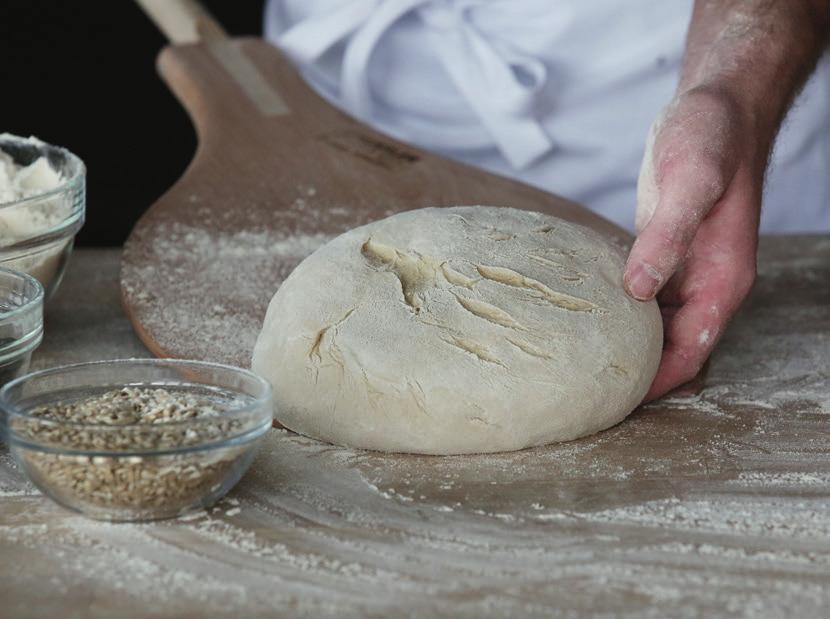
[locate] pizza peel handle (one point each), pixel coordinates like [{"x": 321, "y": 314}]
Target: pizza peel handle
[{"x": 182, "y": 21}]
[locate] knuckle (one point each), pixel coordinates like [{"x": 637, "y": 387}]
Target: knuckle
[
  {"x": 697, "y": 167},
  {"x": 744, "y": 280},
  {"x": 691, "y": 369},
  {"x": 709, "y": 176},
  {"x": 697, "y": 142},
  {"x": 672, "y": 246},
  {"x": 681, "y": 377},
  {"x": 690, "y": 375},
  {"x": 667, "y": 236}
]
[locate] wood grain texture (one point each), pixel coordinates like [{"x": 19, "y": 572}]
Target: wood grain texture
[
  {"x": 713, "y": 505},
  {"x": 262, "y": 175}
]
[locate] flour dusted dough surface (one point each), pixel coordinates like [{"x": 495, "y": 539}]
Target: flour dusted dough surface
[{"x": 458, "y": 330}]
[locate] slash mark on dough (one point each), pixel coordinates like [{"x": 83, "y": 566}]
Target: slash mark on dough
[
  {"x": 474, "y": 348},
  {"x": 508, "y": 277},
  {"x": 530, "y": 349},
  {"x": 489, "y": 312}
]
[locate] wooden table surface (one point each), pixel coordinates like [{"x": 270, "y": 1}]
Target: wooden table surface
[{"x": 716, "y": 505}]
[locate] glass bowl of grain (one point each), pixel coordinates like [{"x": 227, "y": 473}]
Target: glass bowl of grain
[
  {"x": 136, "y": 439},
  {"x": 21, "y": 322},
  {"x": 42, "y": 206}
]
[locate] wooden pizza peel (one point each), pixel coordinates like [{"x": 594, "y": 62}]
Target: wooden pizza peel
[{"x": 277, "y": 172}]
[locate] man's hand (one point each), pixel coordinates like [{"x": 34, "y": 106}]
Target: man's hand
[
  {"x": 701, "y": 181},
  {"x": 699, "y": 200}
]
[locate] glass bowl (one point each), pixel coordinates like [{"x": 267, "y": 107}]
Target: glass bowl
[
  {"x": 136, "y": 471},
  {"x": 37, "y": 232},
  {"x": 21, "y": 322}
]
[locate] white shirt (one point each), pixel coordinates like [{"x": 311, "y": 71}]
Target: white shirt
[{"x": 557, "y": 93}]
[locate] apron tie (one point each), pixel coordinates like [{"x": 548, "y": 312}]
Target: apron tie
[{"x": 499, "y": 82}]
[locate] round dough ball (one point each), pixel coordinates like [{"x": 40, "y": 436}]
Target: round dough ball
[{"x": 458, "y": 330}]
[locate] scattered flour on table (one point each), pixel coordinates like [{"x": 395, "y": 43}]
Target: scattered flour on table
[
  {"x": 18, "y": 493},
  {"x": 790, "y": 479},
  {"x": 303, "y": 553},
  {"x": 110, "y": 555}
]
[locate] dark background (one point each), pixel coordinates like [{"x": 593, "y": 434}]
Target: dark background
[{"x": 81, "y": 74}]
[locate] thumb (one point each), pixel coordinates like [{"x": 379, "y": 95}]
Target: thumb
[
  {"x": 683, "y": 192},
  {"x": 647, "y": 193}
]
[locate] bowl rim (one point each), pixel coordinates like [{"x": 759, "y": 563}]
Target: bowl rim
[
  {"x": 30, "y": 303},
  {"x": 70, "y": 183},
  {"x": 9, "y": 410}
]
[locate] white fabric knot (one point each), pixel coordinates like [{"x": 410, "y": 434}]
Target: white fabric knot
[{"x": 498, "y": 81}]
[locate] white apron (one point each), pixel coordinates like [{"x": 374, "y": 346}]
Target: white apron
[{"x": 557, "y": 93}]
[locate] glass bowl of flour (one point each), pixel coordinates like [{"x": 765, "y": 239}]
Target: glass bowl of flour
[{"x": 42, "y": 205}]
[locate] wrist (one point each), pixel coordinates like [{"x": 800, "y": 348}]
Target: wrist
[{"x": 754, "y": 56}]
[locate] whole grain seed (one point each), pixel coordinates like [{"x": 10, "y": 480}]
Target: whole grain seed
[{"x": 133, "y": 420}]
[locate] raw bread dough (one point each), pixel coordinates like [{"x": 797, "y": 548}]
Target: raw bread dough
[{"x": 458, "y": 330}]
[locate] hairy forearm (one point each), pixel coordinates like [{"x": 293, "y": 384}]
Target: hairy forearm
[{"x": 759, "y": 52}]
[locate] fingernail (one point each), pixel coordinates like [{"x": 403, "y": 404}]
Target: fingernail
[{"x": 642, "y": 281}]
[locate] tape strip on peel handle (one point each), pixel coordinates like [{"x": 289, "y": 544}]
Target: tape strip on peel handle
[{"x": 230, "y": 55}]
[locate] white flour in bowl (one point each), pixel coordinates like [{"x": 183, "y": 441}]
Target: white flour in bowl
[
  {"x": 28, "y": 220},
  {"x": 18, "y": 182}
]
